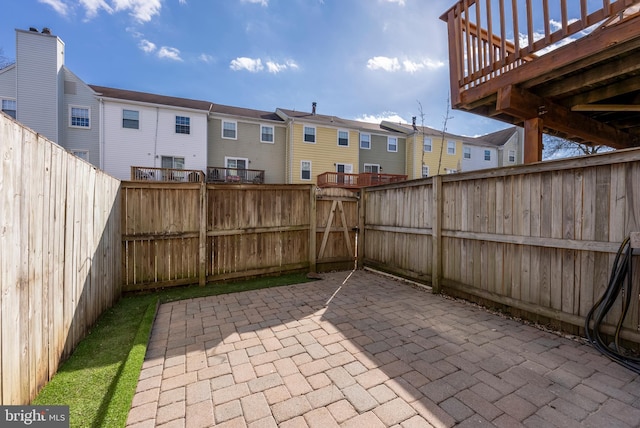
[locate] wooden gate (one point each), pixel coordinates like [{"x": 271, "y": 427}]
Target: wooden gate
[{"x": 336, "y": 231}]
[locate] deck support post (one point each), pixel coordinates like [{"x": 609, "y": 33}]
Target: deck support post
[{"x": 533, "y": 140}]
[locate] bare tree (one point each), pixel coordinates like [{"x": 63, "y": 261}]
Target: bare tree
[
  {"x": 4, "y": 61},
  {"x": 421, "y": 133},
  {"x": 556, "y": 147},
  {"x": 444, "y": 131}
]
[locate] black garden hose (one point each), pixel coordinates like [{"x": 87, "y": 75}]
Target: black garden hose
[{"x": 621, "y": 276}]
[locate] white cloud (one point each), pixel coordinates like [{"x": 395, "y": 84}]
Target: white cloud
[
  {"x": 141, "y": 10},
  {"x": 274, "y": 67},
  {"x": 263, "y": 3},
  {"x": 409, "y": 66},
  {"x": 169, "y": 53},
  {"x": 205, "y": 58},
  {"x": 249, "y": 64},
  {"x": 93, "y": 7},
  {"x": 183, "y": 1},
  {"x": 383, "y": 63},
  {"x": 147, "y": 46},
  {"x": 58, "y": 5},
  {"x": 389, "y": 116},
  {"x": 400, "y": 2}
]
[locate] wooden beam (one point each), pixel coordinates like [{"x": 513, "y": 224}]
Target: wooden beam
[
  {"x": 525, "y": 105},
  {"x": 533, "y": 140},
  {"x": 606, "y": 107},
  {"x": 602, "y": 93}
]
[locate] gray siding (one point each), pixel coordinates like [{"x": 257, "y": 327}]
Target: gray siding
[
  {"x": 8, "y": 83},
  {"x": 77, "y": 93},
  {"x": 391, "y": 163},
  {"x": 264, "y": 156},
  {"x": 39, "y": 60}
]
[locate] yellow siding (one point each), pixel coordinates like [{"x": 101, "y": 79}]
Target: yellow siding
[
  {"x": 324, "y": 154},
  {"x": 449, "y": 162}
]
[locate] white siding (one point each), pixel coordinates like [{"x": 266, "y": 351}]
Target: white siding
[
  {"x": 156, "y": 137},
  {"x": 477, "y": 160},
  {"x": 39, "y": 60}
]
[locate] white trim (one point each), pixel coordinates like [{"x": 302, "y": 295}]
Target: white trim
[
  {"x": 449, "y": 142},
  {"x": 315, "y": 134},
  {"x": 430, "y": 144},
  {"x": 360, "y": 142},
  {"x": 310, "y": 170},
  {"x": 338, "y": 137},
  {"x": 377, "y": 165},
  {"x": 71, "y": 107},
  {"x": 273, "y": 133},
  {"x": 235, "y": 125},
  {"x": 388, "y": 145},
  {"x": 177, "y": 124}
]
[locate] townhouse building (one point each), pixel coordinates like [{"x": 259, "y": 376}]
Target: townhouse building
[
  {"x": 246, "y": 139},
  {"x": 318, "y": 143},
  {"x": 116, "y": 129}
]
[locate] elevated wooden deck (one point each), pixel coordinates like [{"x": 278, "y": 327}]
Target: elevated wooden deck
[
  {"x": 356, "y": 181},
  {"x": 563, "y": 67}
]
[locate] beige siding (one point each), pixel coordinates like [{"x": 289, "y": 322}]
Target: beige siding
[
  {"x": 264, "y": 156},
  {"x": 324, "y": 154}
]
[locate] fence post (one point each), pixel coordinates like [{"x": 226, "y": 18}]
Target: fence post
[
  {"x": 436, "y": 239},
  {"x": 202, "y": 242},
  {"x": 312, "y": 229},
  {"x": 360, "y": 233}
]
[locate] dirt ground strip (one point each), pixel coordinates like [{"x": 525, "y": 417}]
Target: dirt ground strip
[{"x": 357, "y": 349}]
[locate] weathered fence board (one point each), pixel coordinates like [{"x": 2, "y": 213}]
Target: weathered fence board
[
  {"x": 59, "y": 235},
  {"x": 539, "y": 238}
]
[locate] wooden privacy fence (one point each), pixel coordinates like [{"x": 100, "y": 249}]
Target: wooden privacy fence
[
  {"x": 539, "y": 238},
  {"x": 185, "y": 233},
  {"x": 59, "y": 253}
]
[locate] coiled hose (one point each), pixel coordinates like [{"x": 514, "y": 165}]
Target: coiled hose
[{"x": 620, "y": 280}]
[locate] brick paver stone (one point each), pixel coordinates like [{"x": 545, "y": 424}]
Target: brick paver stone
[{"x": 379, "y": 354}]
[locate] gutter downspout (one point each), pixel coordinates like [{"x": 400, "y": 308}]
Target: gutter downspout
[
  {"x": 155, "y": 140},
  {"x": 101, "y": 142}
]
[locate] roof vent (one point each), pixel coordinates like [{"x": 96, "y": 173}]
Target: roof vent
[
  {"x": 34, "y": 29},
  {"x": 46, "y": 30},
  {"x": 313, "y": 108}
]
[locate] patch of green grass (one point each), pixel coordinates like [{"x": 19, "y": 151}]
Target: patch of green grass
[{"x": 99, "y": 380}]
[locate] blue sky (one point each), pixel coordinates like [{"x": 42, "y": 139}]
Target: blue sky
[{"x": 358, "y": 59}]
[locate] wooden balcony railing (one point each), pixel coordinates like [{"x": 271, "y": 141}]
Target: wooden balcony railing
[
  {"x": 144, "y": 173},
  {"x": 357, "y": 181},
  {"x": 488, "y": 38},
  {"x": 234, "y": 175}
]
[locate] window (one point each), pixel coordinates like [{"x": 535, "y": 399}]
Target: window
[
  {"x": 266, "y": 134},
  {"x": 79, "y": 117},
  {"x": 451, "y": 147},
  {"x": 131, "y": 119},
  {"x": 82, "y": 154},
  {"x": 372, "y": 167},
  {"x": 343, "y": 138},
  {"x": 466, "y": 152},
  {"x": 512, "y": 156},
  {"x": 487, "y": 155},
  {"x": 9, "y": 107},
  {"x": 229, "y": 129},
  {"x": 305, "y": 170},
  {"x": 236, "y": 163},
  {"x": 365, "y": 141},
  {"x": 183, "y": 125},
  {"x": 392, "y": 144},
  {"x": 172, "y": 162},
  {"x": 309, "y": 134},
  {"x": 427, "y": 145},
  {"x": 425, "y": 171}
]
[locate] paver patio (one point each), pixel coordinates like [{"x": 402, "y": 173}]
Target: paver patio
[{"x": 363, "y": 350}]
